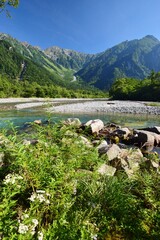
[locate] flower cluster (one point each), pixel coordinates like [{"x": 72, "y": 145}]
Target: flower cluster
[
  {"x": 41, "y": 196},
  {"x": 12, "y": 178},
  {"x": 30, "y": 227}
]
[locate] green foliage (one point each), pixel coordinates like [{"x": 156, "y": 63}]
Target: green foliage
[
  {"x": 133, "y": 89},
  {"x": 51, "y": 190},
  {"x": 4, "y": 3}
]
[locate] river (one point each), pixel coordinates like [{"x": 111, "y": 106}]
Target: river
[{"x": 19, "y": 117}]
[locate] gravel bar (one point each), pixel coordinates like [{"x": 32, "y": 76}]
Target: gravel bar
[{"x": 131, "y": 107}]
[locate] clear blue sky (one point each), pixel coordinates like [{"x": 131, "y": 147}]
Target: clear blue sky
[{"x": 89, "y": 26}]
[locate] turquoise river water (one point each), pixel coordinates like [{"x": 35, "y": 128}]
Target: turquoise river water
[{"x": 19, "y": 117}]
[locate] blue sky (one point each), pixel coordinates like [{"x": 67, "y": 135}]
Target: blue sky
[{"x": 89, "y": 26}]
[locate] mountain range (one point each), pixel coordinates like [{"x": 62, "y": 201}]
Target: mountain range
[{"x": 134, "y": 59}]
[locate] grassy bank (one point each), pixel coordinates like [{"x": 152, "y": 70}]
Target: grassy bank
[{"x": 50, "y": 189}]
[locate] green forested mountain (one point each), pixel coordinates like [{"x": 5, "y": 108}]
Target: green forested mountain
[
  {"x": 129, "y": 59},
  {"x": 37, "y": 56},
  {"x": 69, "y": 58},
  {"x": 29, "y": 72},
  {"x": 134, "y": 59}
]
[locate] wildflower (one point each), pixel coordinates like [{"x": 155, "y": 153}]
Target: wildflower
[
  {"x": 41, "y": 198},
  {"x": 40, "y": 235},
  {"x": 47, "y": 202},
  {"x": 35, "y": 222},
  {"x": 33, "y": 197},
  {"x": 22, "y": 228},
  {"x": 11, "y": 178}
]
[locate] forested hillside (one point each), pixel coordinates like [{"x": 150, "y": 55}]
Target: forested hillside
[
  {"x": 133, "y": 89},
  {"x": 134, "y": 59}
]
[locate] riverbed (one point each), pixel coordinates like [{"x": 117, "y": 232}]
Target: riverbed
[{"x": 19, "y": 111}]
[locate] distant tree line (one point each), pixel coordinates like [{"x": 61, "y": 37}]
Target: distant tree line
[
  {"x": 16, "y": 88},
  {"x": 133, "y": 89}
]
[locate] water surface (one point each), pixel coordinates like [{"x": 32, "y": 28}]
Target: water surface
[{"x": 19, "y": 117}]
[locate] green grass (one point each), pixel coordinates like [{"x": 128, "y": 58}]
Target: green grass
[
  {"x": 52, "y": 188},
  {"x": 153, "y": 104}
]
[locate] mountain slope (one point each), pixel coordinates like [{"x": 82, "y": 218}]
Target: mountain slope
[
  {"x": 69, "y": 58},
  {"x": 134, "y": 58},
  {"x": 37, "y": 56},
  {"x": 16, "y": 66}
]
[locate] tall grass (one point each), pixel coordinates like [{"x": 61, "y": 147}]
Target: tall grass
[{"x": 52, "y": 190}]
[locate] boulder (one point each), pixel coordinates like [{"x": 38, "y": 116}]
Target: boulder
[
  {"x": 145, "y": 138},
  {"x": 154, "y": 129},
  {"x": 119, "y": 163},
  {"x": 95, "y": 125},
  {"x": 134, "y": 158},
  {"x": 103, "y": 147},
  {"x": 105, "y": 169},
  {"x": 122, "y": 133},
  {"x": 113, "y": 151}
]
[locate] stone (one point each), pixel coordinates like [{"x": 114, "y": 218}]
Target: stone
[
  {"x": 73, "y": 121},
  {"x": 85, "y": 141},
  {"x": 105, "y": 169},
  {"x": 154, "y": 129},
  {"x": 122, "y": 133},
  {"x": 38, "y": 122},
  {"x": 143, "y": 137},
  {"x": 95, "y": 125},
  {"x": 113, "y": 151},
  {"x": 103, "y": 147},
  {"x": 119, "y": 163}
]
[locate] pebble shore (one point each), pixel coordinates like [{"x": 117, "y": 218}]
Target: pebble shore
[
  {"x": 63, "y": 105},
  {"x": 107, "y": 106}
]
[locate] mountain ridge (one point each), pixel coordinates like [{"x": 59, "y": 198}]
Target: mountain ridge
[{"x": 133, "y": 59}]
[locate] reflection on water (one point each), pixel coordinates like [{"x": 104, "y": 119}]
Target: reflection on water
[{"x": 19, "y": 117}]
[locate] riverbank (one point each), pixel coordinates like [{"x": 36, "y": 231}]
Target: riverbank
[
  {"x": 129, "y": 107},
  {"x": 80, "y": 105}
]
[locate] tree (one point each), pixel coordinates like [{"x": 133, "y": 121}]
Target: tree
[{"x": 5, "y": 3}]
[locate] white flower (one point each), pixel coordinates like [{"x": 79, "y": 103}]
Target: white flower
[
  {"x": 40, "y": 236},
  {"x": 47, "y": 202},
  {"x": 22, "y": 228},
  {"x": 33, "y": 197},
  {"x": 35, "y": 222},
  {"x": 41, "y": 198},
  {"x": 40, "y": 191},
  {"x": 11, "y": 178}
]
